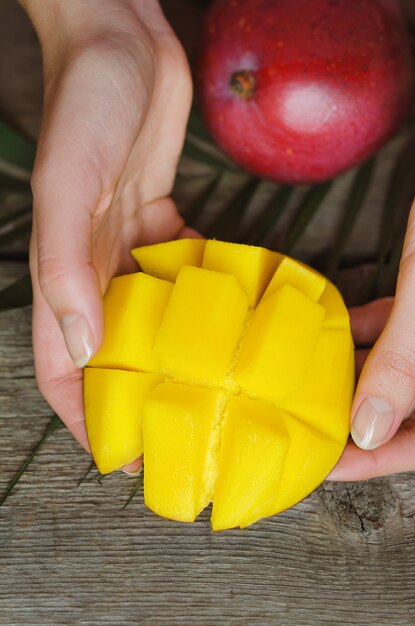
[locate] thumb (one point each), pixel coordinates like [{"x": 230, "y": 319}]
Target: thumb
[
  {"x": 385, "y": 395},
  {"x": 65, "y": 194}
]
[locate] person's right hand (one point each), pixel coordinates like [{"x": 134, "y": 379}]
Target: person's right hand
[
  {"x": 361, "y": 460},
  {"x": 117, "y": 98}
]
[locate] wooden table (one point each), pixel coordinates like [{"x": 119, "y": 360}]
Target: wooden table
[{"x": 71, "y": 554}]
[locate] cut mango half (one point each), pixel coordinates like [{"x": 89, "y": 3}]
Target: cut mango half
[{"x": 231, "y": 368}]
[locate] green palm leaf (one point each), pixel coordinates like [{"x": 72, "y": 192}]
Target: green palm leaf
[
  {"x": 258, "y": 231},
  {"x": 397, "y": 204},
  {"x": 194, "y": 211},
  {"x": 354, "y": 204},
  {"x": 17, "y": 154},
  {"x": 304, "y": 215},
  {"x": 17, "y": 295},
  {"x": 224, "y": 225},
  {"x": 137, "y": 485},
  {"x": 54, "y": 423}
]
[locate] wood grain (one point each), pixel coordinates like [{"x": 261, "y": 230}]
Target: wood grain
[{"x": 71, "y": 555}]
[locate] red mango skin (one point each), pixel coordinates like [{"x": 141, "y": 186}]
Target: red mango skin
[{"x": 333, "y": 81}]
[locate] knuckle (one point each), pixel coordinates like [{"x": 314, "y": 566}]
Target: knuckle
[
  {"x": 52, "y": 274},
  {"x": 54, "y": 387},
  {"x": 397, "y": 369}
]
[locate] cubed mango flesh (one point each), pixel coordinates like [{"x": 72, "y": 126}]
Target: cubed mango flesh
[
  {"x": 201, "y": 326},
  {"x": 134, "y": 306},
  {"x": 251, "y": 462},
  {"x": 321, "y": 397},
  {"x": 296, "y": 274},
  {"x": 251, "y": 266},
  {"x": 232, "y": 368},
  {"x": 337, "y": 316},
  {"x": 115, "y": 399},
  {"x": 179, "y": 428},
  {"x": 165, "y": 260},
  {"x": 279, "y": 344}
]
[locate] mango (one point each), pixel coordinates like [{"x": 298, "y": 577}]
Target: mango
[
  {"x": 252, "y": 266},
  {"x": 116, "y": 399},
  {"x": 133, "y": 309},
  {"x": 296, "y": 274},
  {"x": 201, "y": 326},
  {"x": 165, "y": 260},
  {"x": 279, "y": 344},
  {"x": 231, "y": 368},
  {"x": 179, "y": 427}
]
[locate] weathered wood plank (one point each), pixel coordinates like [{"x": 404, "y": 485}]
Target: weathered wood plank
[{"x": 68, "y": 554}]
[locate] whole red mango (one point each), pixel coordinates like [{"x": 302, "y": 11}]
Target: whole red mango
[{"x": 300, "y": 90}]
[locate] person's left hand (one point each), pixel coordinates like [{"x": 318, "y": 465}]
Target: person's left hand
[{"x": 117, "y": 97}]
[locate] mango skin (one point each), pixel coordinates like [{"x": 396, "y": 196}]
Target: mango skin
[
  {"x": 235, "y": 375},
  {"x": 298, "y": 92}
]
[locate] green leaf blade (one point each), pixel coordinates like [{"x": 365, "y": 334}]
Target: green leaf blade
[
  {"x": 17, "y": 295},
  {"x": 15, "y": 149},
  {"x": 53, "y": 425},
  {"x": 138, "y": 483},
  {"x": 304, "y": 214},
  {"x": 258, "y": 231},
  {"x": 354, "y": 205},
  {"x": 225, "y": 223}
]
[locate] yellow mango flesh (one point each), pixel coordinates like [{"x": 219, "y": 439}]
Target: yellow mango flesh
[
  {"x": 165, "y": 260},
  {"x": 255, "y": 366},
  {"x": 133, "y": 309},
  {"x": 322, "y": 396},
  {"x": 251, "y": 266},
  {"x": 113, "y": 405},
  {"x": 251, "y": 462},
  {"x": 202, "y": 325},
  {"x": 179, "y": 427},
  {"x": 337, "y": 316},
  {"x": 291, "y": 272},
  {"x": 279, "y": 344},
  {"x": 309, "y": 451}
]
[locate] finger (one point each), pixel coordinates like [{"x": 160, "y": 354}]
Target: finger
[
  {"x": 65, "y": 273},
  {"x": 158, "y": 221},
  {"x": 397, "y": 455},
  {"x": 369, "y": 320},
  {"x": 155, "y": 222},
  {"x": 189, "y": 233},
  {"x": 80, "y": 157},
  {"x": 386, "y": 389},
  {"x": 135, "y": 468},
  {"x": 59, "y": 380},
  {"x": 67, "y": 189}
]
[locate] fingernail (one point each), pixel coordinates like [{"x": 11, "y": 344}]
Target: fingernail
[
  {"x": 133, "y": 469},
  {"x": 133, "y": 474},
  {"x": 372, "y": 423},
  {"x": 77, "y": 338}
]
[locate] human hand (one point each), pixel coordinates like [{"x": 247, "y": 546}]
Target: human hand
[
  {"x": 117, "y": 97},
  {"x": 383, "y": 420}
]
